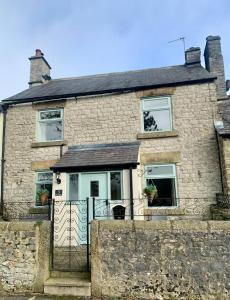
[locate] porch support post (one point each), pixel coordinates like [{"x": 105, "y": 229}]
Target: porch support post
[{"x": 131, "y": 191}]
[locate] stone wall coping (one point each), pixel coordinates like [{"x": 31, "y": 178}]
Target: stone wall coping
[
  {"x": 171, "y": 225},
  {"x": 22, "y": 225}
]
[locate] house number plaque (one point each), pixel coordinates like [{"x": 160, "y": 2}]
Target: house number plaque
[{"x": 58, "y": 192}]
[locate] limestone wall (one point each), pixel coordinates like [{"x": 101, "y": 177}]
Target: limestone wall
[
  {"x": 117, "y": 118},
  {"x": 24, "y": 256},
  {"x": 161, "y": 260}
]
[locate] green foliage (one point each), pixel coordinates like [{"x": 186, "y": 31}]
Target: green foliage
[
  {"x": 41, "y": 192},
  {"x": 150, "y": 190}
]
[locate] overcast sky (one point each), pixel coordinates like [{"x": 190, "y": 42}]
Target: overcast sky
[{"x": 80, "y": 37}]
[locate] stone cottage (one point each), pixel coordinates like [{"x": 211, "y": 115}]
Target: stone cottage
[{"x": 109, "y": 136}]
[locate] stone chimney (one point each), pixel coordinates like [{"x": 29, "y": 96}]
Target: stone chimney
[
  {"x": 39, "y": 69},
  {"x": 192, "y": 56},
  {"x": 214, "y": 63}
]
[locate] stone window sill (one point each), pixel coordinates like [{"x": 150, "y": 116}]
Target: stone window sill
[
  {"x": 157, "y": 134},
  {"x": 48, "y": 144}
]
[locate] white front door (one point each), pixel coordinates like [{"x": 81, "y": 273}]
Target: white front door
[{"x": 94, "y": 185}]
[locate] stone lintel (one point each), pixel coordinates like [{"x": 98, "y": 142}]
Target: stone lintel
[
  {"x": 165, "y": 91},
  {"x": 42, "y": 164},
  {"x": 51, "y": 104},
  {"x": 160, "y": 157},
  {"x": 48, "y": 144},
  {"x": 157, "y": 134}
]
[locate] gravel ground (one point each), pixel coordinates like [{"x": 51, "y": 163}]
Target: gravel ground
[{"x": 42, "y": 297}]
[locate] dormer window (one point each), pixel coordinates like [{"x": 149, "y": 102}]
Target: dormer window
[
  {"x": 50, "y": 125},
  {"x": 156, "y": 114}
]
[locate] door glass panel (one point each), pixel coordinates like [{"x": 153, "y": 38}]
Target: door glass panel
[
  {"x": 94, "y": 188},
  {"x": 73, "y": 187},
  {"x": 115, "y": 185}
]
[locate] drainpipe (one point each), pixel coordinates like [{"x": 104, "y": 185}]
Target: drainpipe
[
  {"x": 131, "y": 191},
  {"x": 4, "y": 108}
]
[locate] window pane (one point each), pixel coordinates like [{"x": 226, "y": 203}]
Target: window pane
[
  {"x": 73, "y": 187},
  {"x": 155, "y": 103},
  {"x": 158, "y": 120},
  {"x": 94, "y": 188},
  {"x": 51, "y": 131},
  {"x": 160, "y": 171},
  {"x": 166, "y": 192},
  {"x": 43, "y": 193},
  {"x": 44, "y": 115},
  {"x": 45, "y": 176},
  {"x": 115, "y": 185}
]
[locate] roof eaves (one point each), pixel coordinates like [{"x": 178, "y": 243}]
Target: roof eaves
[{"x": 121, "y": 90}]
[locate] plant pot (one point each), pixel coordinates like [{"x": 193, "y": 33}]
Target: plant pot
[
  {"x": 151, "y": 196},
  {"x": 44, "y": 199}
]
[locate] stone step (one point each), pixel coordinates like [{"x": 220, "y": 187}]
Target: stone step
[
  {"x": 68, "y": 287},
  {"x": 70, "y": 274}
]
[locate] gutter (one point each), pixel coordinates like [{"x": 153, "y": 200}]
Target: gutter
[{"x": 4, "y": 108}]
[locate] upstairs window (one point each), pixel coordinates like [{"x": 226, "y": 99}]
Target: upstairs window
[
  {"x": 163, "y": 179},
  {"x": 50, "y": 125},
  {"x": 156, "y": 114}
]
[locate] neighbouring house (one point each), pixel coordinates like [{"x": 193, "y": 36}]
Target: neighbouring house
[{"x": 109, "y": 136}]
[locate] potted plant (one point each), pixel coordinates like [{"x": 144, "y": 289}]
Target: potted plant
[
  {"x": 150, "y": 191},
  {"x": 43, "y": 196}
]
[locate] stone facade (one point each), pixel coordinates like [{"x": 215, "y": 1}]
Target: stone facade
[
  {"x": 160, "y": 260},
  {"x": 24, "y": 256},
  {"x": 117, "y": 118}
]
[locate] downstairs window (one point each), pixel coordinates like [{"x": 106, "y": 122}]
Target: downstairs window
[
  {"x": 162, "y": 179},
  {"x": 44, "y": 183}
]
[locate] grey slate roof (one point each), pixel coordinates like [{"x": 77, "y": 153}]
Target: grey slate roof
[
  {"x": 100, "y": 155},
  {"x": 114, "y": 82}
]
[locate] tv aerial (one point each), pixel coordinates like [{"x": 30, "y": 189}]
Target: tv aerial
[{"x": 179, "y": 39}]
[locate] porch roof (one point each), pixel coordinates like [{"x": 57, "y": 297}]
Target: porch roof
[{"x": 98, "y": 157}]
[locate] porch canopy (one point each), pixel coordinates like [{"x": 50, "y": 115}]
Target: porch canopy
[{"x": 99, "y": 157}]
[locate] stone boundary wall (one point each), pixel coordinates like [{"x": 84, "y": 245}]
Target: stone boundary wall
[
  {"x": 161, "y": 259},
  {"x": 24, "y": 256}
]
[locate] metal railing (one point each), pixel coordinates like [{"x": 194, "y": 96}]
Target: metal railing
[
  {"x": 26, "y": 211},
  {"x": 71, "y": 221}
]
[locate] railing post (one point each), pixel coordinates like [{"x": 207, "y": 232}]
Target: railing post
[
  {"x": 52, "y": 233},
  {"x": 49, "y": 209},
  {"x": 87, "y": 231},
  {"x": 131, "y": 192},
  {"x": 70, "y": 232}
]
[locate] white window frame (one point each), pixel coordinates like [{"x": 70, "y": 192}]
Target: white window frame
[
  {"x": 43, "y": 182},
  {"x": 161, "y": 108},
  {"x": 39, "y": 121},
  {"x": 164, "y": 176}
]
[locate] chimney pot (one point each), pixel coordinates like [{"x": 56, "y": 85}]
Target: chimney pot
[
  {"x": 192, "y": 56},
  {"x": 38, "y": 52}
]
